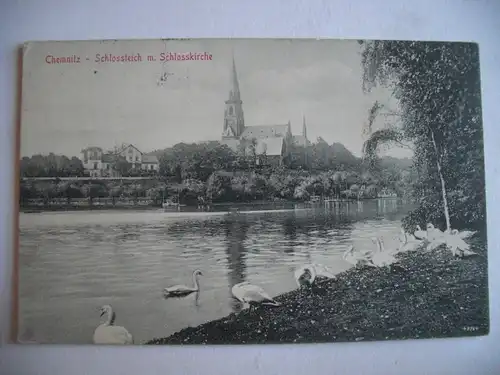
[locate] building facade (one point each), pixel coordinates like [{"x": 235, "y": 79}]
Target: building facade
[
  {"x": 271, "y": 143},
  {"x": 104, "y": 164}
]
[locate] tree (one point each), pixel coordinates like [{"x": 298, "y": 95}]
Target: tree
[
  {"x": 114, "y": 192},
  {"x": 91, "y": 191},
  {"x": 438, "y": 89},
  {"x": 121, "y": 165}
]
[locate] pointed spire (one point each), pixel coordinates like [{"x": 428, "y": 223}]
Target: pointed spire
[
  {"x": 304, "y": 127},
  {"x": 235, "y": 91}
]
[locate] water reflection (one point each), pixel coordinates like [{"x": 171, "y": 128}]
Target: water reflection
[
  {"x": 72, "y": 263},
  {"x": 236, "y": 234},
  {"x": 290, "y": 232}
]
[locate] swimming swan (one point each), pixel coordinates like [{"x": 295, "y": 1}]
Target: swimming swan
[
  {"x": 107, "y": 333},
  {"x": 183, "y": 290}
]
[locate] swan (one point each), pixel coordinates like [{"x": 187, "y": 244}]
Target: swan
[
  {"x": 420, "y": 234},
  {"x": 305, "y": 275},
  {"x": 384, "y": 258},
  {"x": 309, "y": 273},
  {"x": 433, "y": 233},
  {"x": 183, "y": 290},
  {"x": 436, "y": 237},
  {"x": 361, "y": 259},
  {"x": 457, "y": 245},
  {"x": 464, "y": 234},
  {"x": 409, "y": 242},
  {"x": 108, "y": 333},
  {"x": 250, "y": 294}
]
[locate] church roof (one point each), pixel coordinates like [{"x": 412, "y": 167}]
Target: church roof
[
  {"x": 270, "y": 146},
  {"x": 265, "y": 131}
]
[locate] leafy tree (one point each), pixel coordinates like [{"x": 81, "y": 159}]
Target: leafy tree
[
  {"x": 91, "y": 191},
  {"x": 114, "y": 192},
  {"x": 438, "y": 89},
  {"x": 121, "y": 165},
  {"x": 50, "y": 166}
]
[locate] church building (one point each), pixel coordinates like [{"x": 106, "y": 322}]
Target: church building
[{"x": 271, "y": 144}]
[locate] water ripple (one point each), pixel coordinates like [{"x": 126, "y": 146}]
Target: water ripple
[{"x": 73, "y": 262}]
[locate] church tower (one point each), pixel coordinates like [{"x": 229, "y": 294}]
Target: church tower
[
  {"x": 234, "y": 122},
  {"x": 304, "y": 129}
]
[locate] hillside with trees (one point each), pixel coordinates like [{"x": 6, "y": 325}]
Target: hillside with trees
[{"x": 213, "y": 172}]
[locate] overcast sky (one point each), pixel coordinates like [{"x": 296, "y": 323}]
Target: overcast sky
[{"x": 67, "y": 107}]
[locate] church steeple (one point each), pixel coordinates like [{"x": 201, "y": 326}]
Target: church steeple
[
  {"x": 234, "y": 123},
  {"x": 235, "y": 92},
  {"x": 306, "y": 141},
  {"x": 304, "y": 127}
]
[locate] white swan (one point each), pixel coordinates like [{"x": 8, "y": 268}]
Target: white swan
[
  {"x": 359, "y": 259},
  {"x": 457, "y": 245},
  {"x": 183, "y": 290},
  {"x": 107, "y": 333},
  {"x": 309, "y": 273},
  {"x": 420, "y": 234},
  {"x": 433, "y": 233},
  {"x": 384, "y": 258},
  {"x": 464, "y": 234},
  {"x": 252, "y": 295},
  {"x": 408, "y": 242}
]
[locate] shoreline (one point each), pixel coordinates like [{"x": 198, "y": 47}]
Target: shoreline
[
  {"x": 35, "y": 209},
  {"x": 96, "y": 207},
  {"x": 437, "y": 297}
]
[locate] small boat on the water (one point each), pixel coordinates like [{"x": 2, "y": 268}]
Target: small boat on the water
[{"x": 169, "y": 203}]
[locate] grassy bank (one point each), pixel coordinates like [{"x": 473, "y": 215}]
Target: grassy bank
[{"x": 437, "y": 296}]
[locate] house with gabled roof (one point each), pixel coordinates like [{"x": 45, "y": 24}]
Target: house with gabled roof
[
  {"x": 271, "y": 143},
  {"x": 102, "y": 164}
]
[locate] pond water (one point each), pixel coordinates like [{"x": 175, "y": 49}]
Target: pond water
[{"x": 71, "y": 263}]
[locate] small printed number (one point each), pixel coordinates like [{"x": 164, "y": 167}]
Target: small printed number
[{"x": 470, "y": 329}]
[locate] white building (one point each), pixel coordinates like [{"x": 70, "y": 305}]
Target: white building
[{"x": 101, "y": 164}]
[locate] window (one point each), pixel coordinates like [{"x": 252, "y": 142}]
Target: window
[
  {"x": 230, "y": 111},
  {"x": 107, "y": 166},
  {"x": 130, "y": 150},
  {"x": 137, "y": 158},
  {"x": 152, "y": 167},
  {"x": 95, "y": 165}
]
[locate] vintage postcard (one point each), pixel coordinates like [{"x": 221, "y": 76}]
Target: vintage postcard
[{"x": 229, "y": 191}]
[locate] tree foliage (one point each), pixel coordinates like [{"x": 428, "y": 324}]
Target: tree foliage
[
  {"x": 438, "y": 88},
  {"x": 50, "y": 165}
]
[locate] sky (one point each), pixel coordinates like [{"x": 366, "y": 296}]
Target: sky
[{"x": 67, "y": 107}]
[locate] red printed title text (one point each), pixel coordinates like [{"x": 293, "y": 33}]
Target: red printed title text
[{"x": 103, "y": 58}]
